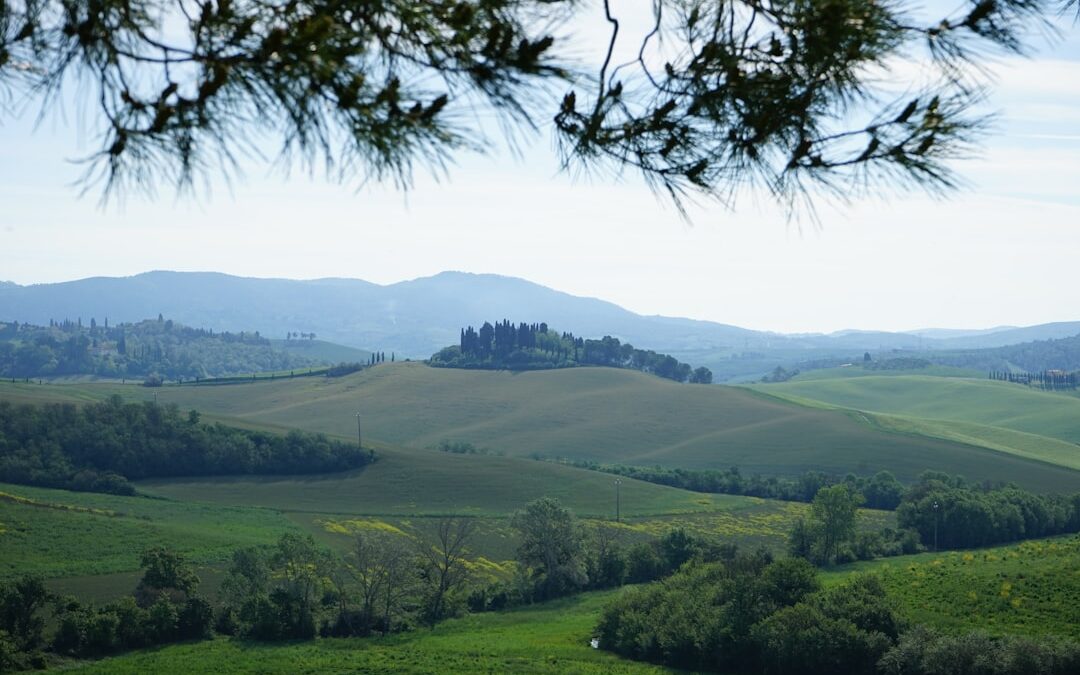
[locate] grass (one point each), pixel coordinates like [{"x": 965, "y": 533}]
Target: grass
[
  {"x": 1030, "y": 588},
  {"x": 406, "y": 482},
  {"x": 321, "y": 350},
  {"x": 597, "y": 414},
  {"x": 856, "y": 370},
  {"x": 548, "y": 638},
  {"x": 750, "y": 523},
  {"x": 1001, "y": 416},
  {"x": 57, "y": 533}
]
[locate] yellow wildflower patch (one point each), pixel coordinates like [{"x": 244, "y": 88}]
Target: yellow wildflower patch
[{"x": 358, "y": 525}]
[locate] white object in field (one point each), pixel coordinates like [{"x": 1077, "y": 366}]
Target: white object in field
[{"x": 595, "y": 642}]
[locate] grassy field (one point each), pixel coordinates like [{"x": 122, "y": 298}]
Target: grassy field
[
  {"x": 856, "y": 370},
  {"x": 321, "y": 350},
  {"x": 749, "y": 522},
  {"x": 549, "y": 638},
  {"x": 57, "y": 533},
  {"x": 407, "y": 482},
  {"x": 587, "y": 413},
  {"x": 1030, "y": 588},
  {"x": 1006, "y": 417}
]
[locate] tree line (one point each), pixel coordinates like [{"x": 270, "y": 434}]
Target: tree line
[
  {"x": 939, "y": 512},
  {"x": 948, "y": 512},
  {"x": 967, "y": 514},
  {"x": 504, "y": 346},
  {"x": 159, "y": 348},
  {"x": 164, "y": 607},
  {"x": 99, "y": 447},
  {"x": 1030, "y": 357},
  {"x": 1051, "y": 380},
  {"x": 880, "y": 491}
]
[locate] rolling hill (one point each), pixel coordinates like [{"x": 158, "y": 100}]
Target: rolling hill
[
  {"x": 418, "y": 317},
  {"x": 597, "y": 414},
  {"x": 1000, "y": 415}
]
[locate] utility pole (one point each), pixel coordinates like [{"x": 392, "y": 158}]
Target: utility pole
[
  {"x": 935, "y": 525},
  {"x": 618, "y": 515},
  {"x": 359, "y": 438}
]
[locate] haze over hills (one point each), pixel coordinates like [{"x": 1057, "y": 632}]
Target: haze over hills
[{"x": 417, "y": 317}]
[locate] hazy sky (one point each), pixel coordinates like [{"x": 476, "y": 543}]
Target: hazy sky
[{"x": 1006, "y": 250}]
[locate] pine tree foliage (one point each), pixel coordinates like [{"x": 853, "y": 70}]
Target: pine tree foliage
[{"x": 722, "y": 95}]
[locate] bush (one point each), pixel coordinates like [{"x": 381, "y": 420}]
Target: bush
[
  {"x": 923, "y": 651},
  {"x": 196, "y": 620},
  {"x": 804, "y": 640},
  {"x": 753, "y": 614}
]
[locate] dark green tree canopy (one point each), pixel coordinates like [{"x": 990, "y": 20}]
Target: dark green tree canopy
[{"x": 720, "y": 96}]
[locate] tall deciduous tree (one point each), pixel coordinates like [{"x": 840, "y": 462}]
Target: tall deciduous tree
[
  {"x": 552, "y": 546},
  {"x": 718, "y": 95},
  {"x": 834, "y": 512},
  {"x": 443, "y": 567}
]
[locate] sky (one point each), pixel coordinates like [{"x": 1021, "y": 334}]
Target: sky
[{"x": 1003, "y": 250}]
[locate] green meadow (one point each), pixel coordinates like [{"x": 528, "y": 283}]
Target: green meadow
[
  {"x": 1028, "y": 588},
  {"x": 431, "y": 483},
  {"x": 56, "y": 533},
  {"x": 1005, "y": 417}
]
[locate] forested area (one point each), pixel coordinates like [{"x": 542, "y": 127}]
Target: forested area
[
  {"x": 135, "y": 350},
  {"x": 1033, "y": 357},
  {"x": 954, "y": 514},
  {"x": 99, "y": 447},
  {"x": 504, "y": 346}
]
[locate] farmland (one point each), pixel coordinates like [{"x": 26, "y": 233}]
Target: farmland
[
  {"x": 1002, "y": 416},
  {"x": 596, "y": 414},
  {"x": 57, "y": 533}
]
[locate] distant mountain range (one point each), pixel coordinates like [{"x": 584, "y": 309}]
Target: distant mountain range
[{"x": 416, "y": 318}]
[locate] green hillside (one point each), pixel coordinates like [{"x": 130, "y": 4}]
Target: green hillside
[
  {"x": 601, "y": 414},
  {"x": 1006, "y": 417},
  {"x": 427, "y": 482},
  {"x": 56, "y": 533},
  {"x": 1029, "y": 588},
  {"x": 321, "y": 351}
]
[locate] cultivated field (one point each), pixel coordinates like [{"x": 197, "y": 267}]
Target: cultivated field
[
  {"x": 1006, "y": 417},
  {"x": 588, "y": 413},
  {"x": 57, "y": 533}
]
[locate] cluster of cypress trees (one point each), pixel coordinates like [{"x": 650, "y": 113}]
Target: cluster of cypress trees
[
  {"x": 1046, "y": 379},
  {"x": 535, "y": 346}
]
